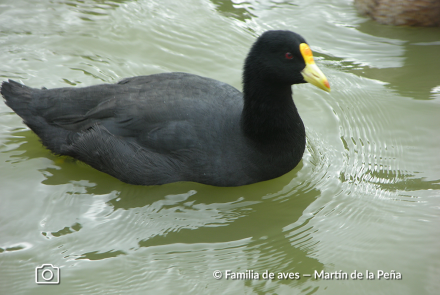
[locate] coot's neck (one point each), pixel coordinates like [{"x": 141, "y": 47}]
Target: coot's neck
[{"x": 269, "y": 114}]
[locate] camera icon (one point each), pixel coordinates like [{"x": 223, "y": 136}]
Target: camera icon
[{"x": 47, "y": 274}]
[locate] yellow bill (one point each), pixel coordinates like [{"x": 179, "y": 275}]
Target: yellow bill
[{"x": 311, "y": 72}]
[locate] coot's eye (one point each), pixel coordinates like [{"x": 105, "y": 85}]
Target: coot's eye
[{"x": 288, "y": 55}]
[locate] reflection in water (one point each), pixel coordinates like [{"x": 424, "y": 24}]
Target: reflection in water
[
  {"x": 236, "y": 225},
  {"x": 418, "y": 74},
  {"x": 391, "y": 181},
  {"x": 205, "y": 222},
  {"x": 235, "y": 10},
  {"x": 94, "y": 7}
]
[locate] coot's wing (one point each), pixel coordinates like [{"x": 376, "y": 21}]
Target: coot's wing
[
  {"x": 125, "y": 160},
  {"x": 143, "y": 130},
  {"x": 164, "y": 112}
]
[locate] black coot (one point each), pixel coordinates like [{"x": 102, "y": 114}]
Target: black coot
[{"x": 172, "y": 127}]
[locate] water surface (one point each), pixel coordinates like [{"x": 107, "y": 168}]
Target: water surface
[{"x": 366, "y": 195}]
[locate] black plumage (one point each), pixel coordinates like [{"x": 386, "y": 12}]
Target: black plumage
[{"x": 173, "y": 127}]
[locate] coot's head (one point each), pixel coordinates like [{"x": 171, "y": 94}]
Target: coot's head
[{"x": 282, "y": 57}]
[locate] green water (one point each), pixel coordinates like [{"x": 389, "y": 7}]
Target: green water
[{"x": 365, "y": 197}]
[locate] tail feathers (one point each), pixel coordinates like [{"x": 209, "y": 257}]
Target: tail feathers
[
  {"x": 11, "y": 89},
  {"x": 17, "y": 97},
  {"x": 20, "y": 98}
]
